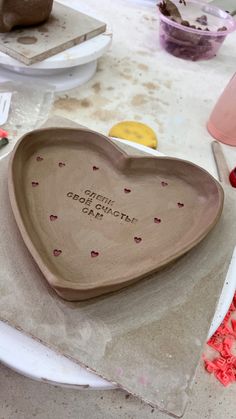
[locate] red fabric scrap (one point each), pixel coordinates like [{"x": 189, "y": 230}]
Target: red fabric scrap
[
  {"x": 3, "y": 133},
  {"x": 210, "y": 366},
  {"x": 233, "y": 324},
  {"x": 223, "y": 378},
  {"x": 223, "y": 366}
]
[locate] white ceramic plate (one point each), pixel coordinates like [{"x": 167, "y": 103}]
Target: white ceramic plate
[
  {"x": 34, "y": 360},
  {"x": 66, "y": 79}
]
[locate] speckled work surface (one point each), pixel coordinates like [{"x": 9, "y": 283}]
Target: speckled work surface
[{"x": 64, "y": 29}]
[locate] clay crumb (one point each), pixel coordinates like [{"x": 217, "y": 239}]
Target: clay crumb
[
  {"x": 167, "y": 83},
  {"x": 126, "y": 76},
  {"x": 96, "y": 87},
  {"x": 151, "y": 86},
  {"x": 71, "y": 104},
  {"x": 139, "y": 100},
  {"x": 85, "y": 103},
  {"x": 143, "y": 67},
  {"x": 144, "y": 53},
  {"x": 42, "y": 29},
  {"x": 27, "y": 40},
  {"x": 105, "y": 115},
  {"x": 127, "y": 70}
]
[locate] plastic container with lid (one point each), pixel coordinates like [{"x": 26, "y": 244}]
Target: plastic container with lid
[{"x": 202, "y": 33}]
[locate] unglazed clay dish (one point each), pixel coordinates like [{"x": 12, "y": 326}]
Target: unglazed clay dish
[{"x": 96, "y": 220}]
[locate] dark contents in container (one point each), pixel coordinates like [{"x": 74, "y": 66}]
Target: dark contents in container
[
  {"x": 183, "y": 44},
  {"x": 202, "y": 20},
  {"x": 168, "y": 8}
]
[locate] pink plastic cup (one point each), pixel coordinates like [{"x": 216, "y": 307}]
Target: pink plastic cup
[
  {"x": 222, "y": 122},
  {"x": 195, "y": 44}
]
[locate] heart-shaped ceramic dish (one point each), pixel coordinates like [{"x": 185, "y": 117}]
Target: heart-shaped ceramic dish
[{"x": 96, "y": 220}]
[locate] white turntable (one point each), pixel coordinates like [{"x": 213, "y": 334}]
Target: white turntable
[{"x": 66, "y": 70}]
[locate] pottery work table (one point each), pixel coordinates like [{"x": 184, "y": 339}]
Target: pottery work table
[{"x": 137, "y": 80}]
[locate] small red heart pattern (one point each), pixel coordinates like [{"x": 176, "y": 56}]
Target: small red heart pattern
[
  {"x": 34, "y": 184},
  {"x": 57, "y": 252},
  {"x": 94, "y": 254},
  {"x": 164, "y": 184},
  {"x": 53, "y": 217}
]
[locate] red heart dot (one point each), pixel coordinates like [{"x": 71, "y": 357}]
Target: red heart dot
[
  {"x": 34, "y": 184},
  {"x": 94, "y": 254},
  {"x": 164, "y": 184},
  {"x": 157, "y": 220},
  {"x": 126, "y": 190},
  {"x": 57, "y": 252},
  {"x": 53, "y": 217},
  {"x": 180, "y": 205},
  {"x": 137, "y": 239}
]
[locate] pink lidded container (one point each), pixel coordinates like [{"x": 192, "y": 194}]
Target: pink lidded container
[{"x": 200, "y": 33}]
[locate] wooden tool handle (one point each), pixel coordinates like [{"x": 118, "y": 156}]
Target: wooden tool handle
[{"x": 222, "y": 167}]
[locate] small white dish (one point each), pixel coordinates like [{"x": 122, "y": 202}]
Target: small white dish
[{"x": 66, "y": 79}]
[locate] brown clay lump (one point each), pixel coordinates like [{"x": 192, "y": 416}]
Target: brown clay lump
[{"x": 23, "y": 13}]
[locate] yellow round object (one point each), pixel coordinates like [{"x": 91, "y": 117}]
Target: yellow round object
[{"x": 136, "y": 132}]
